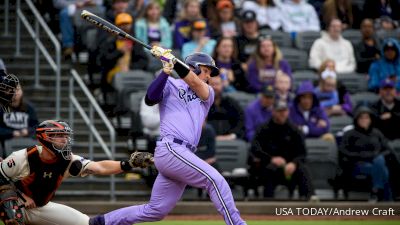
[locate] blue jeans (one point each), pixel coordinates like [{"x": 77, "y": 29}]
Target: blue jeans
[
  {"x": 67, "y": 29},
  {"x": 379, "y": 172}
]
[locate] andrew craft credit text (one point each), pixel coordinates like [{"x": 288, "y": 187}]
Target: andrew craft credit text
[{"x": 334, "y": 212}]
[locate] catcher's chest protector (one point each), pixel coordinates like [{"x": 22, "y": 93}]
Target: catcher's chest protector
[{"x": 44, "y": 178}]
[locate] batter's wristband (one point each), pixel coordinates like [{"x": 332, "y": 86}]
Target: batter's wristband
[
  {"x": 125, "y": 166},
  {"x": 181, "y": 70}
]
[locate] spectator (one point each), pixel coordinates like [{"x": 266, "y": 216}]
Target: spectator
[
  {"x": 377, "y": 8},
  {"x": 340, "y": 9},
  {"x": 190, "y": 12},
  {"x": 368, "y": 47},
  {"x": 248, "y": 39},
  {"x": 136, "y": 7},
  {"x": 153, "y": 29},
  {"x": 265, "y": 63},
  {"x": 328, "y": 95},
  {"x": 20, "y": 121},
  {"x": 259, "y": 111},
  {"x": 278, "y": 155},
  {"x": 362, "y": 152},
  {"x": 200, "y": 42},
  {"x": 225, "y": 114},
  {"x": 232, "y": 74},
  {"x": 333, "y": 46},
  {"x": 225, "y": 24},
  {"x": 120, "y": 55},
  {"x": 384, "y": 26},
  {"x": 387, "y": 110},
  {"x": 150, "y": 120},
  {"x": 268, "y": 15},
  {"x": 307, "y": 114},
  {"x": 299, "y": 16},
  {"x": 206, "y": 148},
  {"x": 67, "y": 10},
  {"x": 388, "y": 66},
  {"x": 343, "y": 94},
  {"x": 283, "y": 87},
  {"x": 117, "y": 7}
]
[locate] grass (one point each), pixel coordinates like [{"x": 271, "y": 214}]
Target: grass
[{"x": 277, "y": 222}]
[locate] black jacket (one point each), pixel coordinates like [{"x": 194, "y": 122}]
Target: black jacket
[
  {"x": 361, "y": 145},
  {"x": 227, "y": 118},
  {"x": 389, "y": 127},
  {"x": 366, "y": 55},
  {"x": 272, "y": 139}
]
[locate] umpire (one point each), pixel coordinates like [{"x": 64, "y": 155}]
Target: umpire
[{"x": 277, "y": 155}]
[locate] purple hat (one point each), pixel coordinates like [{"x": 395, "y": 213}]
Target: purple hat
[{"x": 387, "y": 83}]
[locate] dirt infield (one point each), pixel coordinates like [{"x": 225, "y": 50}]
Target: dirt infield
[{"x": 269, "y": 217}]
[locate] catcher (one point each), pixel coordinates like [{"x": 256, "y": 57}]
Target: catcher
[{"x": 30, "y": 177}]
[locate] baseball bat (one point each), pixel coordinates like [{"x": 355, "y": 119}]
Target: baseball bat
[{"x": 114, "y": 30}]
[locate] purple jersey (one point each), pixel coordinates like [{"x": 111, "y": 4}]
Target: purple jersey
[{"x": 182, "y": 112}]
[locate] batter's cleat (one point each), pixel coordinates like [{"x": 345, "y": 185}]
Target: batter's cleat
[{"x": 97, "y": 220}]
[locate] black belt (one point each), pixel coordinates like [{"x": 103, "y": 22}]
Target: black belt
[{"x": 187, "y": 145}]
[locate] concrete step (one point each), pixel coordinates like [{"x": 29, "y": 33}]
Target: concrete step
[{"x": 30, "y": 69}]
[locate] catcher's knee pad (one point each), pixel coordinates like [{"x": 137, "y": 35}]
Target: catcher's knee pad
[{"x": 10, "y": 211}]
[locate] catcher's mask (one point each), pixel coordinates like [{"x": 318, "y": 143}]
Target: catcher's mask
[
  {"x": 8, "y": 87},
  {"x": 198, "y": 59},
  {"x": 56, "y": 135}
]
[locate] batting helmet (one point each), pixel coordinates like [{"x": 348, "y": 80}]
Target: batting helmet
[
  {"x": 198, "y": 59},
  {"x": 8, "y": 86},
  {"x": 48, "y": 133}
]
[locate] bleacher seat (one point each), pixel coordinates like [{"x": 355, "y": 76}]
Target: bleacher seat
[
  {"x": 304, "y": 40},
  {"x": 339, "y": 122},
  {"x": 301, "y": 76},
  {"x": 363, "y": 98},
  {"x": 242, "y": 98},
  {"x": 125, "y": 84},
  {"x": 382, "y": 35},
  {"x": 354, "y": 82},
  {"x": 16, "y": 144},
  {"x": 322, "y": 161},
  {"x": 232, "y": 158},
  {"x": 282, "y": 39},
  {"x": 354, "y": 36},
  {"x": 298, "y": 59}
]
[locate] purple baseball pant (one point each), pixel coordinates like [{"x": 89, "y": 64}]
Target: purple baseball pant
[{"x": 178, "y": 167}]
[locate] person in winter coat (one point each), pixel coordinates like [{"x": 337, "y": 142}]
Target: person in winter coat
[
  {"x": 307, "y": 114},
  {"x": 362, "y": 152},
  {"x": 278, "y": 153},
  {"x": 333, "y": 46},
  {"x": 388, "y": 66}
]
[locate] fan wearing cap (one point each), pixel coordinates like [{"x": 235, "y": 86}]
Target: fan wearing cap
[
  {"x": 248, "y": 39},
  {"x": 328, "y": 95},
  {"x": 259, "y": 111},
  {"x": 387, "y": 109},
  {"x": 388, "y": 66},
  {"x": 224, "y": 24},
  {"x": 278, "y": 155},
  {"x": 200, "y": 42},
  {"x": 118, "y": 54}
]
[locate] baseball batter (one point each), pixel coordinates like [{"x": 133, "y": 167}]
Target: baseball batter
[
  {"x": 184, "y": 104},
  {"x": 37, "y": 172}
]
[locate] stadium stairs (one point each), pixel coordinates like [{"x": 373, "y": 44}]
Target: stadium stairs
[{"x": 44, "y": 101}]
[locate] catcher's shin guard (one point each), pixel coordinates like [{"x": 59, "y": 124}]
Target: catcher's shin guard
[{"x": 10, "y": 211}]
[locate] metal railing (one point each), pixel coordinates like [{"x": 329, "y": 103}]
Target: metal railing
[
  {"x": 54, "y": 62},
  {"x": 89, "y": 120}
]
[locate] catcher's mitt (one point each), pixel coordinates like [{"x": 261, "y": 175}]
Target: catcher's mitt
[
  {"x": 141, "y": 159},
  {"x": 10, "y": 212}
]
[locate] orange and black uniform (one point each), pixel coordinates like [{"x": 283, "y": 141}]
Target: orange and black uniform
[{"x": 44, "y": 177}]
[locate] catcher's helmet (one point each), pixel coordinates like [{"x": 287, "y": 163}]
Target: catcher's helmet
[
  {"x": 201, "y": 59},
  {"x": 8, "y": 86},
  {"x": 47, "y": 133}
]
